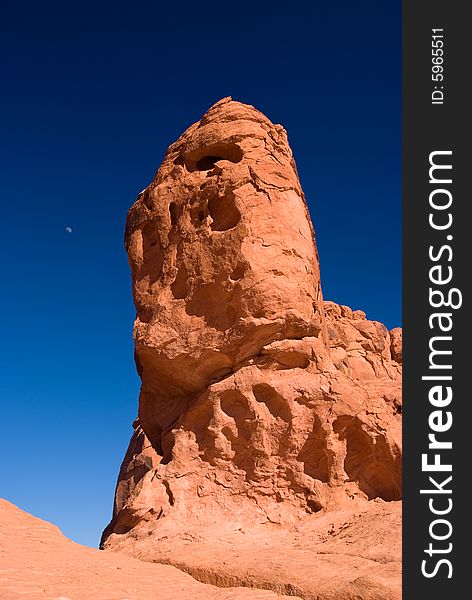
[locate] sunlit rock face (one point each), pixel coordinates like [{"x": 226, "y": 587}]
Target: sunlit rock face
[
  {"x": 260, "y": 403},
  {"x": 223, "y": 259}
]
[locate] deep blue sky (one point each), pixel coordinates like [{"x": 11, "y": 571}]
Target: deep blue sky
[{"x": 90, "y": 102}]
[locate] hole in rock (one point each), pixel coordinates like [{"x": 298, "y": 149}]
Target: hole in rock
[
  {"x": 153, "y": 254},
  {"x": 280, "y": 426},
  {"x": 369, "y": 460},
  {"x": 198, "y": 216},
  {"x": 314, "y": 453},
  {"x": 205, "y": 159},
  {"x": 207, "y": 162},
  {"x": 173, "y": 213},
  {"x": 238, "y": 272},
  {"x": 275, "y": 403},
  {"x": 223, "y": 212},
  {"x": 236, "y": 405},
  {"x": 167, "y": 442},
  {"x": 314, "y": 505}
]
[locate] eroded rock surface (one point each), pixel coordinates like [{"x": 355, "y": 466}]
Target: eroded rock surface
[
  {"x": 261, "y": 405},
  {"x": 39, "y": 563}
]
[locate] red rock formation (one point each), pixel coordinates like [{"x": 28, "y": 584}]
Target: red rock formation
[{"x": 260, "y": 404}]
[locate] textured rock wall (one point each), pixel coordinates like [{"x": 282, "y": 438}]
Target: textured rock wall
[{"x": 259, "y": 402}]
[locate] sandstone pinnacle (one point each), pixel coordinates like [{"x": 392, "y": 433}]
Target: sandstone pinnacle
[{"x": 262, "y": 406}]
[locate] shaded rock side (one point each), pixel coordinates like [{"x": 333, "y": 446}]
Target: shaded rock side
[{"x": 260, "y": 404}]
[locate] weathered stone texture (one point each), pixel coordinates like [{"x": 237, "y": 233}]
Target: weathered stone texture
[{"x": 260, "y": 403}]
